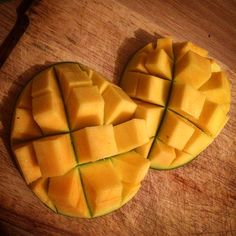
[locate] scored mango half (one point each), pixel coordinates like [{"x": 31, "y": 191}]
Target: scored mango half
[
  {"x": 184, "y": 97},
  {"x": 74, "y": 137}
]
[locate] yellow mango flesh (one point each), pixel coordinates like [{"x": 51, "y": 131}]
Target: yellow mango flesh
[
  {"x": 24, "y": 100},
  {"x": 118, "y": 106},
  {"x": 131, "y": 167},
  {"x": 99, "y": 81},
  {"x": 151, "y": 114},
  {"x": 193, "y": 64},
  {"x": 40, "y": 187},
  {"x": 159, "y": 63},
  {"x": 130, "y": 134},
  {"x": 27, "y": 161},
  {"x": 85, "y": 107},
  {"x": 217, "y": 88},
  {"x": 94, "y": 143},
  {"x": 54, "y": 154},
  {"x": 161, "y": 155},
  {"x": 144, "y": 149},
  {"x": 138, "y": 63},
  {"x": 129, "y": 191},
  {"x": 49, "y": 105},
  {"x": 102, "y": 185},
  {"x": 23, "y": 125},
  {"x": 167, "y": 45},
  {"x": 71, "y": 76},
  {"x": 181, "y": 159},
  {"x": 186, "y": 100}
]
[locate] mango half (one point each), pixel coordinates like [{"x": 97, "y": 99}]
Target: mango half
[
  {"x": 74, "y": 137},
  {"x": 191, "y": 93}
]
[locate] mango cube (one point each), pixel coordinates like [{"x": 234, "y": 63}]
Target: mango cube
[
  {"x": 137, "y": 64},
  {"x": 23, "y": 125},
  {"x": 94, "y": 143},
  {"x": 118, "y": 105},
  {"x": 145, "y": 148},
  {"x": 40, "y": 188},
  {"x": 161, "y": 155},
  {"x": 211, "y": 119},
  {"x": 129, "y": 83},
  {"x": 131, "y": 167},
  {"x": 215, "y": 67},
  {"x": 27, "y": 161},
  {"x": 186, "y": 100},
  {"x": 25, "y": 101},
  {"x": 130, "y": 134},
  {"x": 102, "y": 186},
  {"x": 45, "y": 82},
  {"x": 180, "y": 49},
  {"x": 193, "y": 69},
  {"x": 152, "y": 114},
  {"x": 64, "y": 190},
  {"x": 70, "y": 76},
  {"x": 198, "y": 142},
  {"x": 129, "y": 191},
  {"x": 85, "y": 107},
  {"x": 49, "y": 113},
  {"x": 181, "y": 159},
  {"x": 217, "y": 88},
  {"x": 147, "y": 89},
  {"x": 147, "y": 48},
  {"x": 175, "y": 130},
  {"x": 54, "y": 154},
  {"x": 99, "y": 81},
  {"x": 167, "y": 45},
  {"x": 160, "y": 64}
]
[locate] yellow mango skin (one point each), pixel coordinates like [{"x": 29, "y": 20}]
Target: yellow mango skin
[
  {"x": 131, "y": 167},
  {"x": 23, "y": 126},
  {"x": 193, "y": 64},
  {"x": 102, "y": 186},
  {"x": 180, "y": 49},
  {"x": 166, "y": 44},
  {"x": 198, "y": 142},
  {"x": 85, "y": 107},
  {"x": 40, "y": 187},
  {"x": 130, "y": 134},
  {"x": 54, "y": 154},
  {"x": 160, "y": 64},
  {"x": 151, "y": 114},
  {"x": 71, "y": 76},
  {"x": 161, "y": 155},
  {"x": 45, "y": 82},
  {"x": 118, "y": 105},
  {"x": 144, "y": 149},
  {"x": 27, "y": 161},
  {"x": 95, "y": 143},
  {"x": 99, "y": 81},
  {"x": 217, "y": 88},
  {"x": 186, "y": 100},
  {"x": 49, "y": 105},
  {"x": 175, "y": 130}
]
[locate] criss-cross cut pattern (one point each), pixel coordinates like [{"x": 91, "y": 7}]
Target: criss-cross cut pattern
[
  {"x": 73, "y": 135},
  {"x": 190, "y": 90}
]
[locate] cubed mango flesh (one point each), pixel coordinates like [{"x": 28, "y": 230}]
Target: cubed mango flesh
[
  {"x": 129, "y": 191},
  {"x": 99, "y": 81},
  {"x": 161, "y": 155},
  {"x": 27, "y": 161},
  {"x": 181, "y": 159},
  {"x": 145, "y": 148},
  {"x": 24, "y": 100},
  {"x": 166, "y": 44},
  {"x": 118, "y": 105},
  {"x": 138, "y": 63},
  {"x": 54, "y": 154},
  {"x": 175, "y": 130},
  {"x": 131, "y": 167},
  {"x": 94, "y": 143},
  {"x": 160, "y": 64},
  {"x": 130, "y": 134},
  {"x": 193, "y": 69},
  {"x": 85, "y": 107}
]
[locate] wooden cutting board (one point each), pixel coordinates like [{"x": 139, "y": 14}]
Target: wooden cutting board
[{"x": 198, "y": 199}]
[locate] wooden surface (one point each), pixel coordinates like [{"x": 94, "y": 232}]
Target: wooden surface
[{"x": 198, "y": 199}]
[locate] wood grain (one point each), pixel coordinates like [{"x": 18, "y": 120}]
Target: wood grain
[{"x": 198, "y": 199}]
